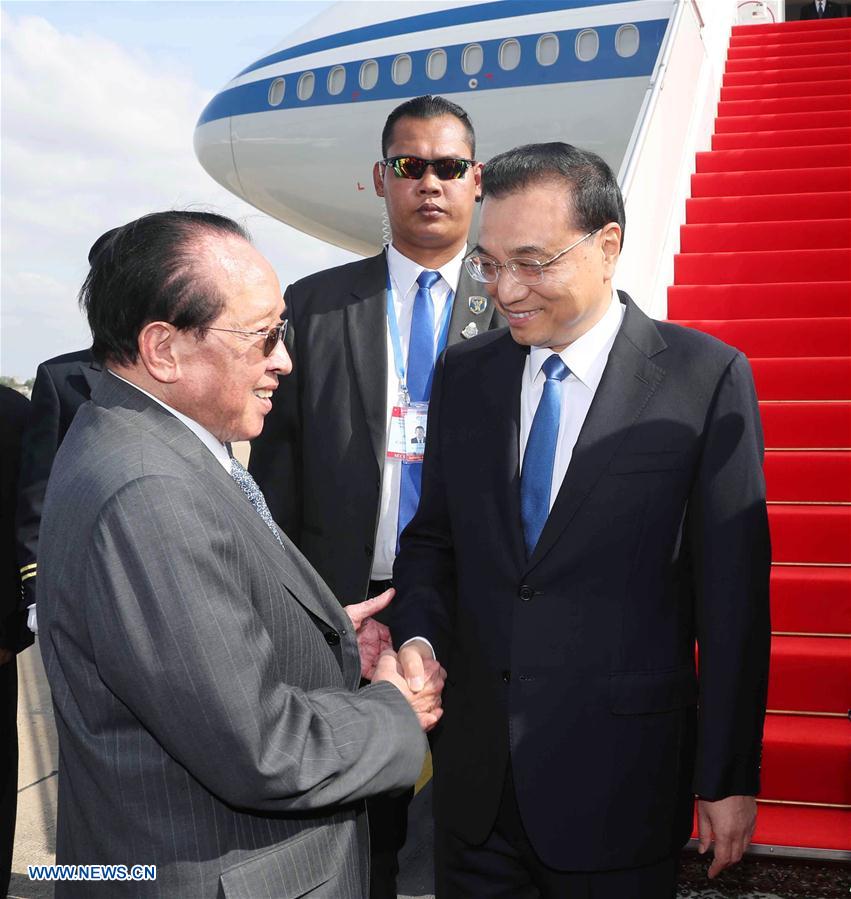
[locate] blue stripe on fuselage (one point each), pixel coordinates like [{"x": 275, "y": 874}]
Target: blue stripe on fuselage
[
  {"x": 445, "y": 18},
  {"x": 253, "y": 97}
]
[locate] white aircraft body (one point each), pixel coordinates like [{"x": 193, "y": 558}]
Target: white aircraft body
[{"x": 297, "y": 132}]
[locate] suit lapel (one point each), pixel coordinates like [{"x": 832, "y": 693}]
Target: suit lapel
[
  {"x": 502, "y": 382},
  {"x": 463, "y": 317},
  {"x": 629, "y": 381},
  {"x": 288, "y": 564},
  {"x": 365, "y": 328}
]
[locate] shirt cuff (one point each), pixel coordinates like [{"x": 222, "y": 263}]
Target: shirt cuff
[
  {"x": 32, "y": 621},
  {"x": 427, "y": 642}
]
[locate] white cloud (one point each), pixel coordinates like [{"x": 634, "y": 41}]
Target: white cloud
[{"x": 95, "y": 135}]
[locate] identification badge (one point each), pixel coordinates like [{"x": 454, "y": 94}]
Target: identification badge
[{"x": 407, "y": 437}]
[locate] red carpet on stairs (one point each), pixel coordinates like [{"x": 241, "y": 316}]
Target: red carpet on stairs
[{"x": 765, "y": 265}]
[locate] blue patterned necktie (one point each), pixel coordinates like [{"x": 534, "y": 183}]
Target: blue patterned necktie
[
  {"x": 536, "y": 477},
  {"x": 255, "y": 496},
  {"x": 418, "y": 380}
]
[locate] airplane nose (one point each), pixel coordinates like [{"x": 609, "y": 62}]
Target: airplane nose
[{"x": 212, "y": 142}]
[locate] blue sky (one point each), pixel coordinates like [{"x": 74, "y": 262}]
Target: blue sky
[{"x": 99, "y": 103}]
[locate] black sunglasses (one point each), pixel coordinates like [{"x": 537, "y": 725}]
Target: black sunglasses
[
  {"x": 271, "y": 338},
  {"x": 414, "y": 167}
]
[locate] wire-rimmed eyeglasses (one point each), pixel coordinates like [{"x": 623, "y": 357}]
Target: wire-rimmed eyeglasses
[
  {"x": 524, "y": 270},
  {"x": 271, "y": 338}
]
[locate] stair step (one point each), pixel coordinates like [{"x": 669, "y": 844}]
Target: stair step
[
  {"x": 822, "y": 378},
  {"x": 803, "y": 137},
  {"x": 769, "y": 158},
  {"x": 827, "y": 44},
  {"x": 780, "y": 338},
  {"x": 773, "y": 105},
  {"x": 806, "y": 759},
  {"x": 776, "y": 76},
  {"x": 791, "y": 32},
  {"x": 783, "y": 121},
  {"x": 806, "y": 425},
  {"x": 769, "y": 208},
  {"x": 723, "y": 237},
  {"x": 808, "y": 476},
  {"x": 762, "y": 267},
  {"x": 819, "y": 535},
  {"x": 779, "y": 181},
  {"x": 787, "y": 89},
  {"x": 794, "y": 59},
  {"x": 810, "y": 828},
  {"x": 825, "y": 299},
  {"x": 810, "y": 600},
  {"x": 810, "y": 674}
]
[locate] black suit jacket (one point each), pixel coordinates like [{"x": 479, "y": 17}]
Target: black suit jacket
[
  {"x": 14, "y": 412},
  {"x": 578, "y": 664},
  {"x": 319, "y": 459},
  {"x": 62, "y": 385},
  {"x": 831, "y": 11}
]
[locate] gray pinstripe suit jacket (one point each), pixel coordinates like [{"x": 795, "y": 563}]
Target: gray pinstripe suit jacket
[{"x": 205, "y": 723}]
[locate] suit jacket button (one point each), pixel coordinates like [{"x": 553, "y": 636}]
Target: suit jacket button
[
  {"x": 369, "y": 550},
  {"x": 526, "y": 593},
  {"x": 506, "y": 677},
  {"x": 332, "y": 638}
]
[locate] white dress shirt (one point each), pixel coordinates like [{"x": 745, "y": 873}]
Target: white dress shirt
[
  {"x": 586, "y": 358},
  {"x": 403, "y": 276}
]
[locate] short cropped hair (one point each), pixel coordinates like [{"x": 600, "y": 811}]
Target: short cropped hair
[
  {"x": 594, "y": 191},
  {"x": 427, "y": 107},
  {"x": 150, "y": 270}
]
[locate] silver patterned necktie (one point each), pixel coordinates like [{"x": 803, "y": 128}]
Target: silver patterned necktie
[{"x": 255, "y": 496}]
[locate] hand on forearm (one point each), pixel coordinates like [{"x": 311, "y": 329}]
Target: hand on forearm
[{"x": 373, "y": 637}]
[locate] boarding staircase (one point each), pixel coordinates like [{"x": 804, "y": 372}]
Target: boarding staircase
[{"x": 765, "y": 265}]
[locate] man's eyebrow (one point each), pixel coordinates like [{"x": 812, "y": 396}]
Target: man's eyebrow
[{"x": 525, "y": 250}]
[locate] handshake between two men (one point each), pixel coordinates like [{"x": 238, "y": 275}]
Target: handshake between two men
[{"x": 414, "y": 671}]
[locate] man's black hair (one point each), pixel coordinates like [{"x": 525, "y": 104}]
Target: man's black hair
[
  {"x": 427, "y": 107},
  {"x": 594, "y": 190},
  {"x": 148, "y": 270}
]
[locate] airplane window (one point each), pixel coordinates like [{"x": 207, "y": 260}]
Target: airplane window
[
  {"x": 336, "y": 80},
  {"x": 305, "y": 86},
  {"x": 436, "y": 64},
  {"x": 587, "y": 45},
  {"x": 509, "y": 54},
  {"x": 472, "y": 59},
  {"x": 626, "y": 40},
  {"x": 369, "y": 74},
  {"x": 546, "y": 52},
  {"x": 276, "y": 92},
  {"x": 401, "y": 72}
]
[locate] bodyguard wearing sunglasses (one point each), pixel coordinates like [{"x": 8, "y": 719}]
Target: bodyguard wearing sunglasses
[
  {"x": 364, "y": 338},
  {"x": 592, "y": 503}
]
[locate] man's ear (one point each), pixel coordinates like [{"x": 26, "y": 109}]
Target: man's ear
[
  {"x": 477, "y": 175},
  {"x": 377, "y": 180},
  {"x": 610, "y": 244},
  {"x": 159, "y": 352}
]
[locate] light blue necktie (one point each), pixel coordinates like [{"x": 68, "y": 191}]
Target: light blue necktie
[
  {"x": 418, "y": 378},
  {"x": 255, "y": 496},
  {"x": 536, "y": 477}
]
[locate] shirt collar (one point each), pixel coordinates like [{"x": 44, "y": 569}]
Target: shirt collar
[
  {"x": 405, "y": 271},
  {"x": 581, "y": 355},
  {"x": 213, "y": 444}
]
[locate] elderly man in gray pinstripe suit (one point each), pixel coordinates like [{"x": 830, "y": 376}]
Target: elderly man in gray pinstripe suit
[{"x": 204, "y": 679}]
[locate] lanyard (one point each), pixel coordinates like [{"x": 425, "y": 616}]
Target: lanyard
[{"x": 395, "y": 340}]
